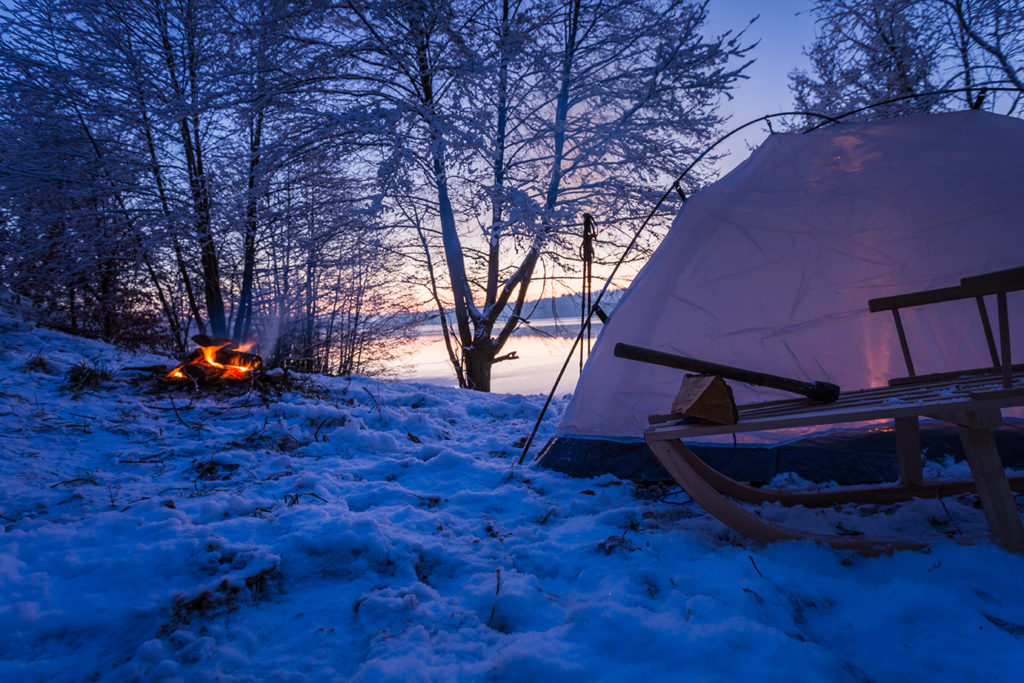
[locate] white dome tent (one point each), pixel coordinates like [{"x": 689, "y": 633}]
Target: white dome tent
[{"x": 771, "y": 267}]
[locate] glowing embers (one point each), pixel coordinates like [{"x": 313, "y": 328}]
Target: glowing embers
[{"x": 216, "y": 361}]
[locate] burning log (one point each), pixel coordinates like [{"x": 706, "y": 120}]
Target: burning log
[
  {"x": 217, "y": 360},
  {"x": 200, "y": 373}
]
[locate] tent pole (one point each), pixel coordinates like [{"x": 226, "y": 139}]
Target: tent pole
[{"x": 589, "y": 237}]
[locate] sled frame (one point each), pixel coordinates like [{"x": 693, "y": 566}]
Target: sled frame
[{"x": 972, "y": 400}]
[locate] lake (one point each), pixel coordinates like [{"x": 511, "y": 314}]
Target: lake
[{"x": 541, "y": 350}]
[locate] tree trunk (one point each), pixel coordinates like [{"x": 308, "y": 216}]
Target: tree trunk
[
  {"x": 498, "y": 163},
  {"x": 465, "y": 313},
  {"x": 189, "y": 130},
  {"x": 243, "y": 319},
  {"x": 478, "y": 361}
]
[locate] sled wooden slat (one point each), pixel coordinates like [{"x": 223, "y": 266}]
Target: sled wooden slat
[{"x": 883, "y": 403}]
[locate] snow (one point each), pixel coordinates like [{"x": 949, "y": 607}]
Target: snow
[{"x": 374, "y": 531}]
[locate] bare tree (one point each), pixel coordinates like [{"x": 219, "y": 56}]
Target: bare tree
[
  {"x": 989, "y": 39},
  {"x": 524, "y": 113},
  {"x": 155, "y": 154},
  {"x": 867, "y": 51},
  {"x": 68, "y": 242},
  {"x": 870, "y": 51},
  {"x": 260, "y": 166}
]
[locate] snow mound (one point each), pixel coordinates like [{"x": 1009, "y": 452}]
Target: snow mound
[{"x": 370, "y": 530}]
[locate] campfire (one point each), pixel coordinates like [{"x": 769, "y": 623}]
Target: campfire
[{"x": 217, "y": 361}]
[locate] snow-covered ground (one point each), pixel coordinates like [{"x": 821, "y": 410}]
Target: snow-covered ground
[{"x": 379, "y": 531}]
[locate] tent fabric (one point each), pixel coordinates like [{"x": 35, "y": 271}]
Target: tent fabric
[{"x": 771, "y": 267}]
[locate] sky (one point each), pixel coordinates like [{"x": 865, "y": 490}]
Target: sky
[{"x": 782, "y": 29}]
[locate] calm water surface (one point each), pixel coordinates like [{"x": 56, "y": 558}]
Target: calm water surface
[{"x": 541, "y": 355}]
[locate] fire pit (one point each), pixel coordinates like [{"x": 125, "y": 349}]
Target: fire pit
[{"x": 217, "y": 361}]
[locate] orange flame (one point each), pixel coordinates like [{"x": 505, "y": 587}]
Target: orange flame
[
  {"x": 210, "y": 354},
  {"x": 209, "y": 357}
]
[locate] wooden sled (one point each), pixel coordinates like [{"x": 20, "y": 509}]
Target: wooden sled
[{"x": 972, "y": 400}]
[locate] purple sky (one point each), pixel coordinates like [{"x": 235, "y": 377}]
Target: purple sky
[{"x": 783, "y": 28}]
